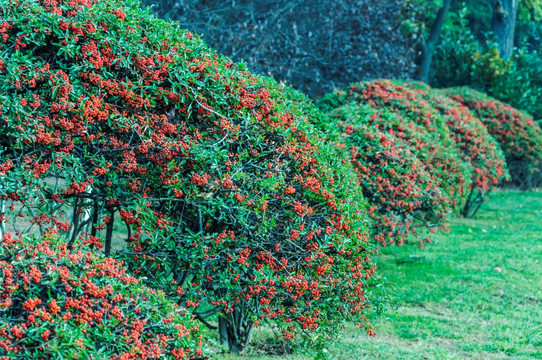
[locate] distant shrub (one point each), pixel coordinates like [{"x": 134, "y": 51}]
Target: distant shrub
[
  {"x": 404, "y": 198},
  {"x": 58, "y": 303},
  {"x": 207, "y": 180},
  {"x": 518, "y": 135},
  {"x": 424, "y": 131},
  {"x": 476, "y": 145},
  {"x": 456, "y": 142}
]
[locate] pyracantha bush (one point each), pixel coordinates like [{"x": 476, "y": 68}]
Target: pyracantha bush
[
  {"x": 58, "y": 303},
  {"x": 475, "y": 144},
  {"x": 518, "y": 135},
  {"x": 452, "y": 124},
  {"x": 124, "y": 132},
  {"x": 425, "y": 132},
  {"x": 404, "y": 198}
]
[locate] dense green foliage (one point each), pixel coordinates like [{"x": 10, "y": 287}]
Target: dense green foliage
[
  {"x": 462, "y": 59},
  {"x": 467, "y": 53},
  {"x": 477, "y": 18}
]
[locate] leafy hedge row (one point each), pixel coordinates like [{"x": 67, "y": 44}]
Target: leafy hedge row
[
  {"x": 477, "y": 147},
  {"x": 488, "y": 140},
  {"x": 223, "y": 192},
  {"x": 452, "y": 157}
]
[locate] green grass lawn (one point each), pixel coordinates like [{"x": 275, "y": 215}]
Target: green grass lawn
[{"x": 476, "y": 293}]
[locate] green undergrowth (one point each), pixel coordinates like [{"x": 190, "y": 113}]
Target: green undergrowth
[{"x": 474, "y": 294}]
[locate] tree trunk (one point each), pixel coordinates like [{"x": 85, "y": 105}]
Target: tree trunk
[
  {"x": 504, "y": 24},
  {"x": 474, "y": 202},
  {"x": 223, "y": 332},
  {"x": 109, "y": 231},
  {"x": 428, "y": 46},
  {"x": 235, "y": 330},
  {"x": 2, "y": 215}
]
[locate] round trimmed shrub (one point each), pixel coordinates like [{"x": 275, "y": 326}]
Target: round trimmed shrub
[
  {"x": 404, "y": 198},
  {"x": 129, "y": 134},
  {"x": 58, "y": 303},
  {"x": 452, "y": 125},
  {"x": 475, "y": 144},
  {"x": 518, "y": 135},
  {"x": 425, "y": 132}
]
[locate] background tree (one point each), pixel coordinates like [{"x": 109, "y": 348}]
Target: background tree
[
  {"x": 504, "y": 25},
  {"x": 314, "y": 45},
  {"x": 468, "y": 55},
  {"x": 428, "y": 45}
]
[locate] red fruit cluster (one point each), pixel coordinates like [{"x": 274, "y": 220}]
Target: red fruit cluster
[
  {"x": 62, "y": 303},
  {"x": 517, "y": 134},
  {"x": 477, "y": 147},
  {"x": 404, "y": 198}
]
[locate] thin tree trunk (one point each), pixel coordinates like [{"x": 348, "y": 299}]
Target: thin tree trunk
[
  {"x": 94, "y": 222},
  {"x": 109, "y": 231},
  {"x": 504, "y": 25},
  {"x": 74, "y": 228},
  {"x": 468, "y": 203},
  {"x": 480, "y": 202},
  {"x": 428, "y": 46},
  {"x": 2, "y": 215}
]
